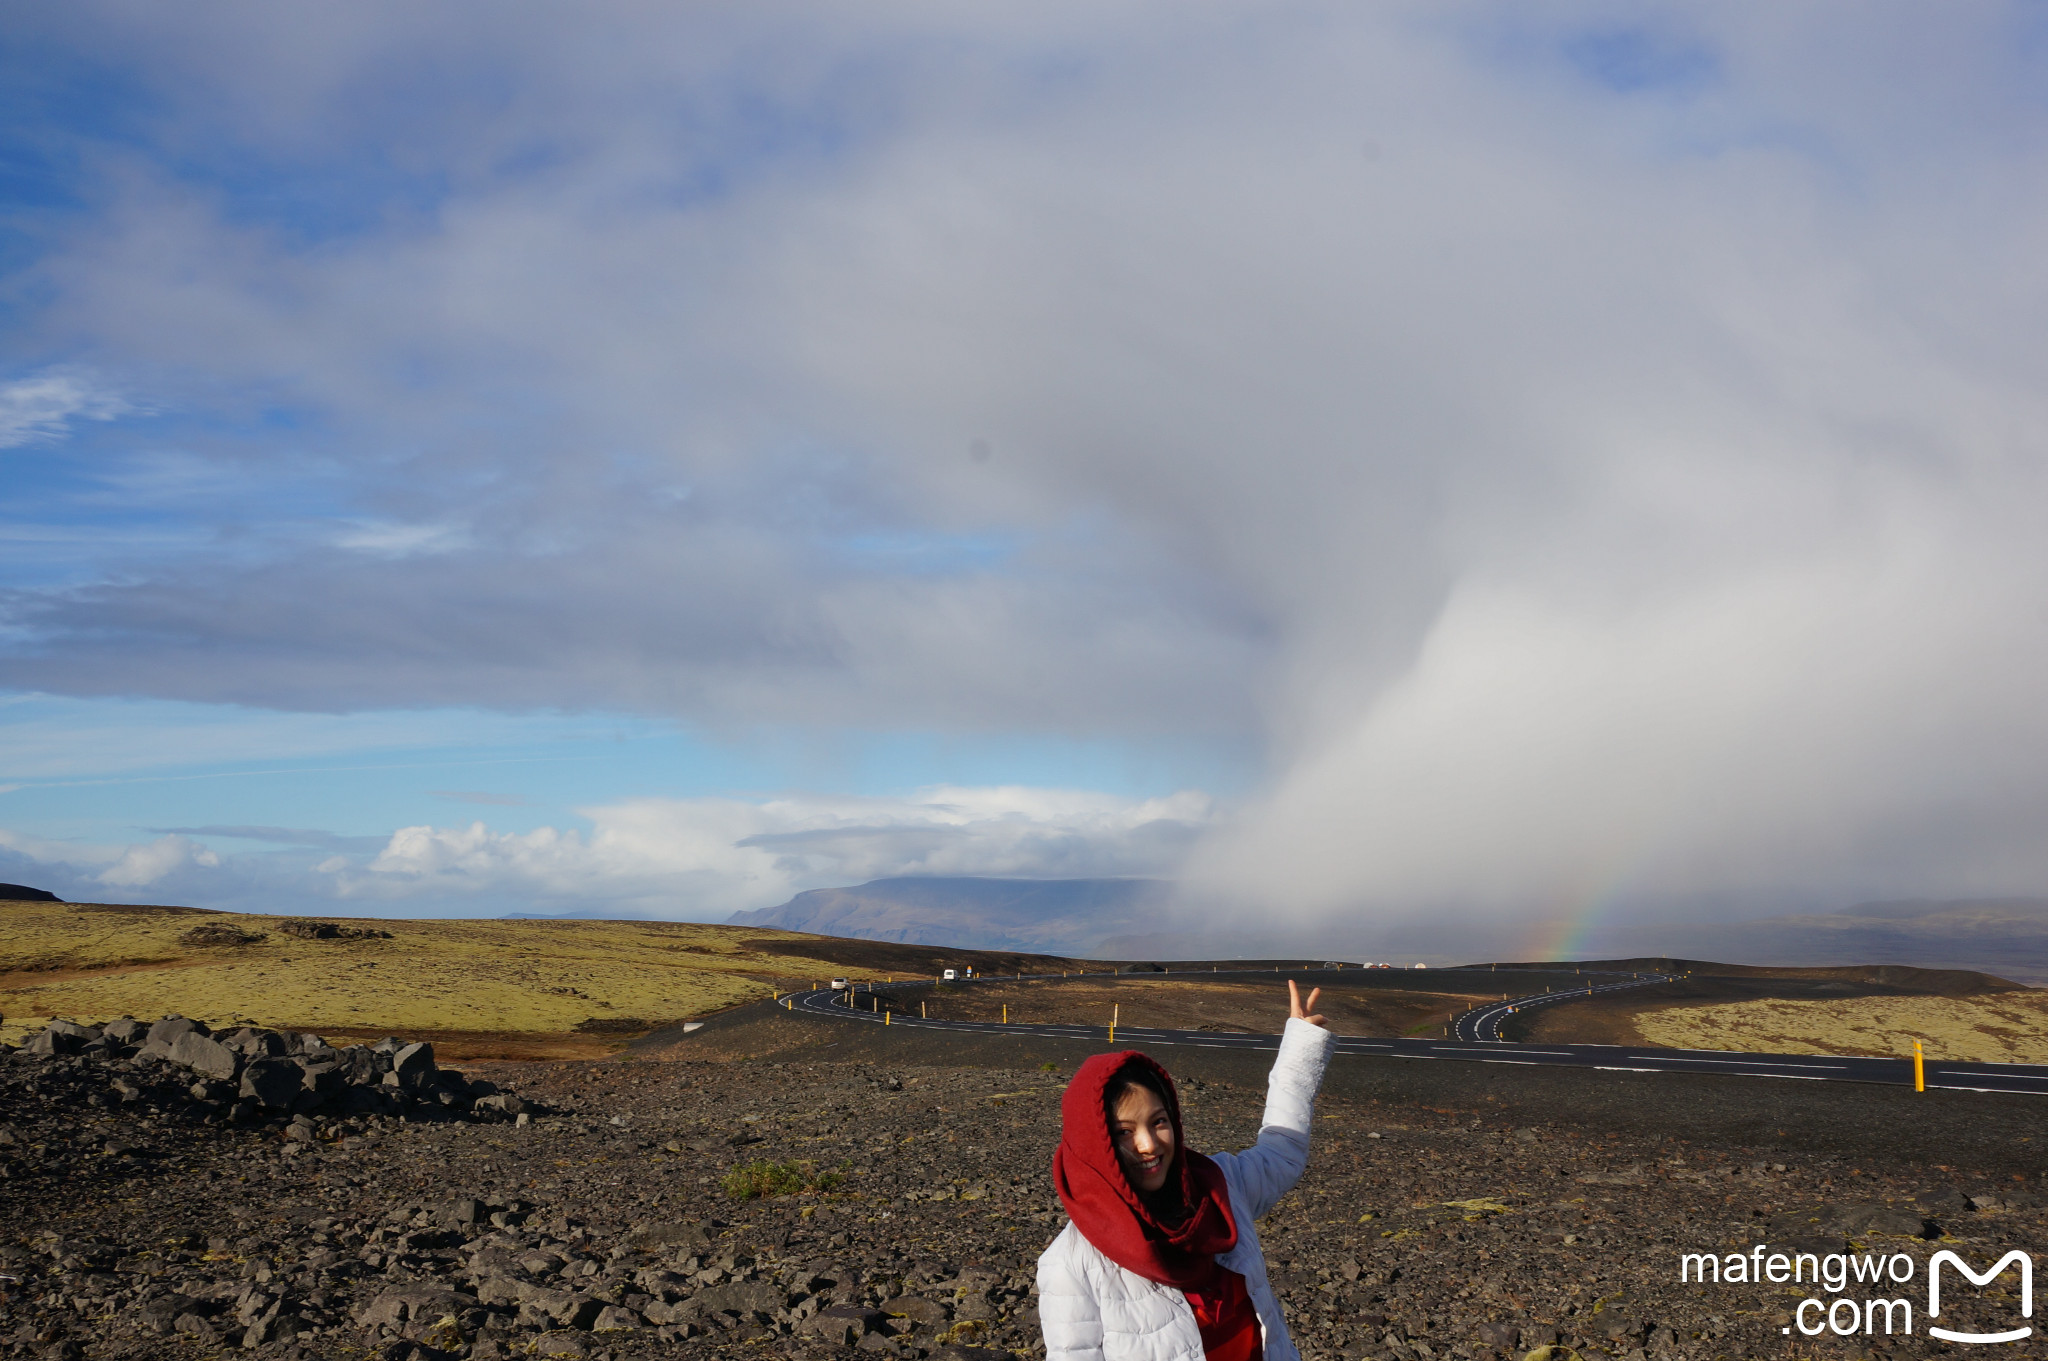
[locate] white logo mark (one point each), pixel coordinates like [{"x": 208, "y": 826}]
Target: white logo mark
[{"x": 2026, "y": 1266}]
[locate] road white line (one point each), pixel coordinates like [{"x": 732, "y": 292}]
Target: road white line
[
  {"x": 2000, "y": 1091},
  {"x": 1663, "y": 1058},
  {"x": 2002, "y": 1077}
]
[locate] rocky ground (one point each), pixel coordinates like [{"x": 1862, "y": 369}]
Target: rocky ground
[{"x": 779, "y": 1184}]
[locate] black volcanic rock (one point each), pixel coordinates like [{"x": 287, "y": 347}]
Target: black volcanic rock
[
  {"x": 22, "y": 893},
  {"x": 1064, "y": 916}
]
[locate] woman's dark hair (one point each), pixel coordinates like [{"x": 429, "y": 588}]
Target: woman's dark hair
[{"x": 1134, "y": 1075}]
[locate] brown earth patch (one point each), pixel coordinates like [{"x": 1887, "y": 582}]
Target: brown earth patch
[{"x": 60, "y": 971}]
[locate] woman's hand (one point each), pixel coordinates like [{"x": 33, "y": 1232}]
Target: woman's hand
[{"x": 1298, "y": 1011}]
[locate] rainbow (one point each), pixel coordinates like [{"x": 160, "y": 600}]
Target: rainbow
[{"x": 1565, "y": 932}]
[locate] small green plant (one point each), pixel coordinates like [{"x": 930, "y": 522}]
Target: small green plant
[
  {"x": 761, "y": 1178},
  {"x": 1048, "y": 1067}
]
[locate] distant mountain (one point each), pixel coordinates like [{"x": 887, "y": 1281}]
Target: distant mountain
[
  {"x": 1049, "y": 916},
  {"x": 2007, "y": 937},
  {"x": 22, "y": 893}
]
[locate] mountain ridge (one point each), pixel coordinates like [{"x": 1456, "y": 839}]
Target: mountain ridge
[{"x": 1053, "y": 916}]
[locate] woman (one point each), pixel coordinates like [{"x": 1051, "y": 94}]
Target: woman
[{"x": 1160, "y": 1261}]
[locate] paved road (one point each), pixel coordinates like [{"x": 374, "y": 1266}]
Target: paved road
[
  {"x": 1484, "y": 1023},
  {"x": 1476, "y": 1030}
]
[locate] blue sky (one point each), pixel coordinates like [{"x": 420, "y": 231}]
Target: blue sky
[{"x": 1358, "y": 463}]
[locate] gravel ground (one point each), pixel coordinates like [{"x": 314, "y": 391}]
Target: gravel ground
[{"x": 1450, "y": 1209}]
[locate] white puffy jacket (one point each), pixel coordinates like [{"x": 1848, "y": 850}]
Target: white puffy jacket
[{"x": 1091, "y": 1309}]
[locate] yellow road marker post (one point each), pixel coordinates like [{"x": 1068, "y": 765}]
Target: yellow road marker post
[
  {"x": 922, "y": 1014},
  {"x": 1115, "y": 1010},
  {"x": 1919, "y": 1068},
  {"x": 1006, "y": 1013}
]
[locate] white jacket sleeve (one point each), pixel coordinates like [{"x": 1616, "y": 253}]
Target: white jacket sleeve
[
  {"x": 1069, "y": 1314},
  {"x": 1268, "y": 1169}
]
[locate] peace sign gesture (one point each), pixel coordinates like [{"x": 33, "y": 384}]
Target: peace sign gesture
[{"x": 1297, "y": 1010}]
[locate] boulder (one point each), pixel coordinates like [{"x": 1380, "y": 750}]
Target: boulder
[
  {"x": 127, "y": 1030},
  {"x": 414, "y": 1304},
  {"x": 52, "y": 1042},
  {"x": 358, "y": 1064},
  {"x": 646, "y": 1236},
  {"x": 160, "y": 1314},
  {"x": 166, "y": 1031},
  {"x": 273, "y": 1327},
  {"x": 324, "y": 1079},
  {"x": 203, "y": 1055},
  {"x": 413, "y": 1064},
  {"x": 745, "y": 1298},
  {"x": 918, "y": 1309},
  {"x": 272, "y": 1083},
  {"x": 257, "y": 1043},
  {"x": 563, "y": 1308},
  {"x": 842, "y": 1325}
]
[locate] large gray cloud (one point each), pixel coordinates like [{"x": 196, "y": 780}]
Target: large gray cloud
[{"x": 1594, "y": 459}]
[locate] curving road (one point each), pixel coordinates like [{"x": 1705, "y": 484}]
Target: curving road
[
  {"x": 1478, "y": 1040},
  {"x": 1484, "y": 1023}
]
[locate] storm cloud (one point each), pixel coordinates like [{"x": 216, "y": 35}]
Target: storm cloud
[{"x": 1592, "y": 454}]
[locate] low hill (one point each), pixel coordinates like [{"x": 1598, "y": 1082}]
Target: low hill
[
  {"x": 476, "y": 987},
  {"x": 1060, "y": 916}
]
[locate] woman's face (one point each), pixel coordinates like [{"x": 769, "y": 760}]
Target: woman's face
[{"x": 1143, "y": 1133}]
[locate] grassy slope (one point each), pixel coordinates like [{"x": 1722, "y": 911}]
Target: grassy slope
[
  {"x": 1999, "y": 1028},
  {"x": 447, "y": 978}
]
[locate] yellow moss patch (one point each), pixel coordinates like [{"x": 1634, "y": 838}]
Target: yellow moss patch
[
  {"x": 94, "y": 963},
  {"x": 2007, "y": 1027}
]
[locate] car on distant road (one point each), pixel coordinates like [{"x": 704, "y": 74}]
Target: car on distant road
[
  {"x": 838, "y": 985},
  {"x": 949, "y": 976}
]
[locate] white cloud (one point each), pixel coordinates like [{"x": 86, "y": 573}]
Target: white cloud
[
  {"x": 155, "y": 860},
  {"x": 122, "y": 867},
  {"x": 387, "y": 540},
  {"x": 706, "y": 858},
  {"x": 43, "y": 407}
]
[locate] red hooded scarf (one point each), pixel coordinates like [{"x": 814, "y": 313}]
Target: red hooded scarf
[{"x": 1175, "y": 1239}]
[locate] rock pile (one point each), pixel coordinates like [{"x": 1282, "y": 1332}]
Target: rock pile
[
  {"x": 219, "y": 933},
  {"x": 301, "y": 929},
  {"x": 255, "y": 1076}
]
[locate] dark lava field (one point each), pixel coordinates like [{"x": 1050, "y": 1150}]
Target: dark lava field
[{"x": 776, "y": 1184}]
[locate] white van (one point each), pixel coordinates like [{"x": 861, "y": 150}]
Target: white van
[
  {"x": 949, "y": 976},
  {"x": 838, "y": 985}
]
